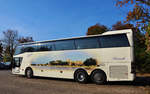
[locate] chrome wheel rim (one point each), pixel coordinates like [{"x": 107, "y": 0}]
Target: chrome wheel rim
[{"x": 81, "y": 76}]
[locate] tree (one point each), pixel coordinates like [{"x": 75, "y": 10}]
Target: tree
[
  {"x": 10, "y": 43},
  {"x": 25, "y": 39},
  {"x": 140, "y": 15},
  {"x": 6, "y": 55},
  {"x": 148, "y": 38},
  {"x": 96, "y": 29},
  {"x": 120, "y": 26}
]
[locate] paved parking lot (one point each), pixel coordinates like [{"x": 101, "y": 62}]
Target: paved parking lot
[{"x": 13, "y": 84}]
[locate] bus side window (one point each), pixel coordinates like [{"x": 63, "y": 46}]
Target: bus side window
[
  {"x": 119, "y": 40},
  {"x": 65, "y": 45},
  {"x": 87, "y": 43},
  {"x": 45, "y": 47}
]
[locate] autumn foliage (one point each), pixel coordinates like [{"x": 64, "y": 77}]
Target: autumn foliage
[
  {"x": 140, "y": 13},
  {"x": 96, "y": 29},
  {"x": 140, "y": 17},
  {"x": 120, "y": 26}
]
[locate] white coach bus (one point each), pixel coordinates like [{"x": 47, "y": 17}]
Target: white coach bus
[{"x": 105, "y": 57}]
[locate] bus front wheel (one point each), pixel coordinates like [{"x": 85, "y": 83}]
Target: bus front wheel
[
  {"x": 29, "y": 73},
  {"x": 81, "y": 76},
  {"x": 98, "y": 77}
]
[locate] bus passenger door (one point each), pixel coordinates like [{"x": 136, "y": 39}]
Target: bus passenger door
[{"x": 16, "y": 64}]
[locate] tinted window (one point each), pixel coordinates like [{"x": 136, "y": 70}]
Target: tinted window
[
  {"x": 34, "y": 48},
  {"x": 45, "y": 47},
  {"x": 65, "y": 45},
  {"x": 18, "y": 50},
  {"x": 28, "y": 48},
  {"x": 87, "y": 43},
  {"x": 119, "y": 40}
]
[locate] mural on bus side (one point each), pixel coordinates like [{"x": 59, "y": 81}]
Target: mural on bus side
[{"x": 65, "y": 59}]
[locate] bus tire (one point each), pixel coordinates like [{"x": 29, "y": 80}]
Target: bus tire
[
  {"x": 98, "y": 77},
  {"x": 29, "y": 73},
  {"x": 81, "y": 76}
]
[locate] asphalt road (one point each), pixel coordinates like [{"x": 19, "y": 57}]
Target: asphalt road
[{"x": 13, "y": 84}]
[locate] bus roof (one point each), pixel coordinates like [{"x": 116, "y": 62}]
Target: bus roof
[{"x": 106, "y": 33}]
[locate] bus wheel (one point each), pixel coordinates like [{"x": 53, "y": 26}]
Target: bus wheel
[
  {"x": 98, "y": 77},
  {"x": 29, "y": 73},
  {"x": 81, "y": 76}
]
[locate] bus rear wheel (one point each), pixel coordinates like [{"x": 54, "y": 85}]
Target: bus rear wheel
[
  {"x": 81, "y": 76},
  {"x": 29, "y": 73},
  {"x": 98, "y": 77}
]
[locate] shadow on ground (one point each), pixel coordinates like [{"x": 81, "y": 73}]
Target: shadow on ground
[{"x": 139, "y": 81}]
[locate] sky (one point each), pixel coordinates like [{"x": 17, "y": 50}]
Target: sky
[{"x": 55, "y": 19}]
